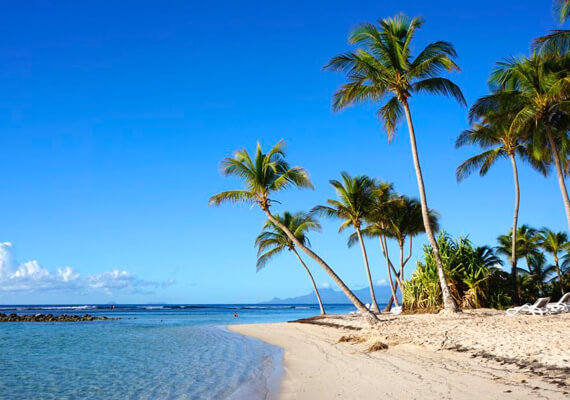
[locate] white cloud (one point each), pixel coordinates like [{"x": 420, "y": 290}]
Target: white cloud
[
  {"x": 31, "y": 276},
  {"x": 382, "y": 282},
  {"x": 326, "y": 285}
]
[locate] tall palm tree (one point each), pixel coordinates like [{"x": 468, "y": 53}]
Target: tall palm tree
[
  {"x": 554, "y": 243},
  {"x": 264, "y": 175},
  {"x": 383, "y": 66},
  {"x": 492, "y": 132},
  {"x": 272, "y": 241},
  {"x": 355, "y": 200},
  {"x": 542, "y": 88}
]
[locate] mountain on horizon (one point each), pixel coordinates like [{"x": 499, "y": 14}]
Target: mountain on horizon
[{"x": 331, "y": 296}]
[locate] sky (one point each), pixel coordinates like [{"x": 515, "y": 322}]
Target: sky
[{"x": 114, "y": 117}]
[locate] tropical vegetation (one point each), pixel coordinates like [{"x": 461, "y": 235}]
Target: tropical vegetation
[{"x": 524, "y": 119}]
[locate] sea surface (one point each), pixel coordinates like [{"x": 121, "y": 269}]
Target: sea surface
[{"x": 152, "y": 352}]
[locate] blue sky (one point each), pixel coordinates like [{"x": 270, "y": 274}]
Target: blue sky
[{"x": 114, "y": 117}]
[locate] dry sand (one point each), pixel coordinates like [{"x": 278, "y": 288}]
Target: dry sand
[{"x": 476, "y": 355}]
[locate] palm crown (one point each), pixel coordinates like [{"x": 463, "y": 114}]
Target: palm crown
[
  {"x": 404, "y": 219},
  {"x": 493, "y": 133},
  {"x": 355, "y": 200},
  {"x": 264, "y": 174},
  {"x": 553, "y": 242},
  {"x": 540, "y": 86},
  {"x": 526, "y": 244},
  {"x": 384, "y": 65},
  {"x": 272, "y": 240}
]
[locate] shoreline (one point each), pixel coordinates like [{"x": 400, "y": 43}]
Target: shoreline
[{"x": 481, "y": 354}]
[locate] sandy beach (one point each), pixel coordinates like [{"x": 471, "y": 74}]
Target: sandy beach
[{"x": 476, "y": 355}]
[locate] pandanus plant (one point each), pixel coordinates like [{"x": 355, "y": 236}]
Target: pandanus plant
[
  {"x": 264, "y": 175},
  {"x": 383, "y": 66},
  {"x": 273, "y": 241}
]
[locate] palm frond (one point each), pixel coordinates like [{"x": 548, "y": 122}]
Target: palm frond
[
  {"x": 442, "y": 86},
  {"x": 232, "y": 196}
]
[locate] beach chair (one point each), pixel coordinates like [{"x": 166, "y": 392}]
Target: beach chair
[
  {"x": 538, "y": 308},
  {"x": 561, "y": 306},
  {"x": 396, "y": 310}
]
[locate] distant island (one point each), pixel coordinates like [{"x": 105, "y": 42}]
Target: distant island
[{"x": 331, "y": 296}]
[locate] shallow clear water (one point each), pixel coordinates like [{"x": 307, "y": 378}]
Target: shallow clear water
[{"x": 153, "y": 352}]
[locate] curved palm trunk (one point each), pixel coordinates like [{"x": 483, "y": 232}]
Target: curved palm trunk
[
  {"x": 312, "y": 281},
  {"x": 388, "y": 263},
  {"x": 370, "y": 317},
  {"x": 374, "y": 306},
  {"x": 449, "y": 303},
  {"x": 514, "y": 238},
  {"x": 559, "y": 171}
]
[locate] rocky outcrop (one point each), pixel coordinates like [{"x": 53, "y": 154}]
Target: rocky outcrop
[{"x": 50, "y": 318}]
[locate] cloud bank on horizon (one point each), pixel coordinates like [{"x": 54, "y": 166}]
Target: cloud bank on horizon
[{"x": 30, "y": 277}]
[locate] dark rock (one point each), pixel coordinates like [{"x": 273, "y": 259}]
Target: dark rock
[{"x": 50, "y": 318}]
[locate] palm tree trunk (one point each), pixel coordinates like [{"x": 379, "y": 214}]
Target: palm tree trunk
[
  {"x": 559, "y": 171},
  {"x": 514, "y": 238},
  {"x": 403, "y": 264},
  {"x": 385, "y": 248},
  {"x": 370, "y": 317},
  {"x": 374, "y": 306},
  {"x": 392, "y": 287},
  {"x": 558, "y": 273},
  {"x": 449, "y": 303},
  {"x": 312, "y": 281}
]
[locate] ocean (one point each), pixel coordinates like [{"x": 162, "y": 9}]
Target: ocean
[{"x": 152, "y": 352}]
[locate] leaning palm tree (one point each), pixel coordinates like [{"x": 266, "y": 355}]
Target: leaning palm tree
[
  {"x": 355, "y": 201},
  {"x": 264, "y": 175},
  {"x": 383, "y": 66},
  {"x": 272, "y": 241},
  {"x": 554, "y": 243},
  {"x": 542, "y": 88},
  {"x": 492, "y": 132}
]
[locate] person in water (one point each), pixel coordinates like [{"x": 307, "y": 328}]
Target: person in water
[{"x": 236, "y": 315}]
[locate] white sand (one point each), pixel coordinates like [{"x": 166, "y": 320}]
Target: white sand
[{"x": 419, "y": 362}]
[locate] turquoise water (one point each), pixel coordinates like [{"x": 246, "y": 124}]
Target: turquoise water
[{"x": 153, "y": 352}]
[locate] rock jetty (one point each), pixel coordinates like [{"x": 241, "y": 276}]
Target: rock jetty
[{"x": 50, "y": 318}]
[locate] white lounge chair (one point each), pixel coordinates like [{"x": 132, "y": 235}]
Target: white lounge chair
[
  {"x": 396, "y": 310},
  {"x": 562, "y": 305},
  {"x": 538, "y": 308}
]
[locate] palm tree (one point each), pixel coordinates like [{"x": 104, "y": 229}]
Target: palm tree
[
  {"x": 557, "y": 41},
  {"x": 538, "y": 274},
  {"x": 264, "y": 175},
  {"x": 403, "y": 220},
  {"x": 493, "y": 134},
  {"x": 526, "y": 247},
  {"x": 384, "y": 66},
  {"x": 554, "y": 243},
  {"x": 377, "y": 219},
  {"x": 272, "y": 241},
  {"x": 541, "y": 87},
  {"x": 355, "y": 201}
]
